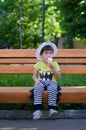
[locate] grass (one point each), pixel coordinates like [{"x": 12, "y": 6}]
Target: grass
[
  {"x": 26, "y": 80},
  {"x": 16, "y": 80},
  {"x": 73, "y": 80}
]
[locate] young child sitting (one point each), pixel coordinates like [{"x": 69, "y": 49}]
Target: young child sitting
[{"x": 45, "y": 75}]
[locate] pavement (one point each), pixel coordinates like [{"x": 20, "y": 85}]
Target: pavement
[
  {"x": 22, "y": 120},
  {"x": 57, "y": 124}
]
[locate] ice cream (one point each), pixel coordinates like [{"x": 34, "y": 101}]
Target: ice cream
[{"x": 49, "y": 59}]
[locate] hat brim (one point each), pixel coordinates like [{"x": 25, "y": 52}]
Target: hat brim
[{"x": 38, "y": 51}]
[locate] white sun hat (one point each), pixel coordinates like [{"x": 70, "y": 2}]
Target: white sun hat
[{"x": 39, "y": 49}]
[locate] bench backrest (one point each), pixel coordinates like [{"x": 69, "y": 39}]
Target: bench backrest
[{"x": 21, "y": 61}]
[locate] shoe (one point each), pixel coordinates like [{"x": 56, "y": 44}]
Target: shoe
[
  {"x": 37, "y": 114},
  {"x": 52, "y": 112}
]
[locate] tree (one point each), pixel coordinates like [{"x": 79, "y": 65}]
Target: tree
[
  {"x": 8, "y": 26},
  {"x": 31, "y": 22},
  {"x": 72, "y": 17}
]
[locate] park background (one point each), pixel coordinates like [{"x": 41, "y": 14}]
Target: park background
[{"x": 26, "y": 23}]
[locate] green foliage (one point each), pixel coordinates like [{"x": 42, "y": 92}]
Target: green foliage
[
  {"x": 62, "y": 107},
  {"x": 73, "y": 17},
  {"x": 8, "y": 26},
  {"x": 61, "y": 16},
  {"x": 31, "y": 22}
]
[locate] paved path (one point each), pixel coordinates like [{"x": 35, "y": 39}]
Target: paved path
[{"x": 57, "y": 124}]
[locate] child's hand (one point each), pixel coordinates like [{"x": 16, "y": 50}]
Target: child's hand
[{"x": 37, "y": 82}]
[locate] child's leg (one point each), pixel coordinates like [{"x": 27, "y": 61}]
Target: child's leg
[
  {"x": 52, "y": 98},
  {"x": 38, "y": 92},
  {"x": 52, "y": 95}
]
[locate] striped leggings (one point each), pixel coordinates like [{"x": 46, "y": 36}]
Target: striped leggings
[{"x": 52, "y": 93}]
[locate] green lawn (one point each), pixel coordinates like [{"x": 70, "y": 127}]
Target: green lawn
[
  {"x": 73, "y": 80},
  {"x": 26, "y": 80}
]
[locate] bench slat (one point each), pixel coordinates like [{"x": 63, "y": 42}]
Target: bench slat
[
  {"x": 33, "y": 60},
  {"x": 22, "y": 69},
  {"x": 32, "y": 53},
  {"x": 78, "y": 69},
  {"x": 17, "y": 53},
  {"x": 71, "y": 53},
  {"x": 18, "y": 61},
  {"x": 21, "y": 95}
]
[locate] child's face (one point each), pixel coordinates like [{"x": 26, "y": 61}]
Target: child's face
[{"x": 47, "y": 54}]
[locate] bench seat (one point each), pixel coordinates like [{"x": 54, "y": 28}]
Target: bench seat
[{"x": 21, "y": 95}]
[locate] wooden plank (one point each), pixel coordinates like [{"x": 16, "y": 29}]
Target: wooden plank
[
  {"x": 22, "y": 94},
  {"x": 33, "y": 60},
  {"x": 73, "y": 94},
  {"x": 17, "y": 53},
  {"x": 18, "y": 61},
  {"x": 71, "y": 69},
  {"x": 16, "y": 69},
  {"x": 32, "y": 53},
  {"x": 70, "y": 60},
  {"x": 71, "y": 53},
  {"x": 26, "y": 69}
]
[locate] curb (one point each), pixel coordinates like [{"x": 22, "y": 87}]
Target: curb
[{"x": 20, "y": 114}]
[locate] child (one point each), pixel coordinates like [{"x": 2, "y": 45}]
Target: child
[{"x": 45, "y": 75}]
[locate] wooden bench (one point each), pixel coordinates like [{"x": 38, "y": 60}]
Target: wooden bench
[{"x": 21, "y": 61}]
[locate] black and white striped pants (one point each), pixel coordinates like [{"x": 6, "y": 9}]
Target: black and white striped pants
[{"x": 52, "y": 93}]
